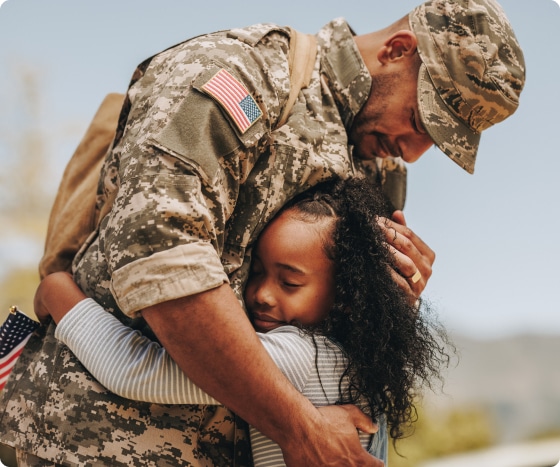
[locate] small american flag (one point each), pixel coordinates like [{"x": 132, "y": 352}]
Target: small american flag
[
  {"x": 14, "y": 334},
  {"x": 234, "y": 98}
]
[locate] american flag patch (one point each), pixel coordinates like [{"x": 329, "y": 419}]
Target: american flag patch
[
  {"x": 234, "y": 98},
  {"x": 14, "y": 334}
]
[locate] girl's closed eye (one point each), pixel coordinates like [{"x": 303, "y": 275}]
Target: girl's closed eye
[{"x": 291, "y": 284}]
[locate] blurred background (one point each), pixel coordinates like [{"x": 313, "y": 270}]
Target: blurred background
[{"x": 495, "y": 232}]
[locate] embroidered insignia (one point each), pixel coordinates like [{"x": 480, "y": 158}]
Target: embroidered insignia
[{"x": 234, "y": 98}]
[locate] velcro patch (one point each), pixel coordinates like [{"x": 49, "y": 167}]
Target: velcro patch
[{"x": 234, "y": 99}]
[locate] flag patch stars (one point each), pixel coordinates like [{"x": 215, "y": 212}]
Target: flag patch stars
[{"x": 234, "y": 99}]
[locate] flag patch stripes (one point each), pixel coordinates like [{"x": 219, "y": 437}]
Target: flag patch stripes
[
  {"x": 234, "y": 98},
  {"x": 14, "y": 334}
]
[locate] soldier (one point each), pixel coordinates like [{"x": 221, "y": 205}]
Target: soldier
[
  {"x": 320, "y": 281},
  {"x": 198, "y": 167}
]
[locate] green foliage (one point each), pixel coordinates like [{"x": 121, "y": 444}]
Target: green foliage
[{"x": 438, "y": 434}]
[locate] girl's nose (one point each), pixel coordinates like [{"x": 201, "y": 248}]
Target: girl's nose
[{"x": 264, "y": 295}]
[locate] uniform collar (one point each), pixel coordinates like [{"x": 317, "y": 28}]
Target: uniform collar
[{"x": 343, "y": 67}]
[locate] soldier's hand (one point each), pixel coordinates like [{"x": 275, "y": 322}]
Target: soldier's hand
[
  {"x": 413, "y": 257},
  {"x": 334, "y": 441}
]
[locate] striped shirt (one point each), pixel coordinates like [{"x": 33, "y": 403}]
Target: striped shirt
[{"x": 132, "y": 366}]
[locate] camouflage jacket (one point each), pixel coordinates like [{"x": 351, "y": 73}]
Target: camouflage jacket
[{"x": 194, "y": 180}]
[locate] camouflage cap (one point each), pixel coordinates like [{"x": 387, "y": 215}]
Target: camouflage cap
[{"x": 472, "y": 72}]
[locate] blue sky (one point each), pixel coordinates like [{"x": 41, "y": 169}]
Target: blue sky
[{"x": 495, "y": 232}]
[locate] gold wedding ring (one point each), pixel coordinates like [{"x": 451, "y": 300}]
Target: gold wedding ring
[{"x": 416, "y": 277}]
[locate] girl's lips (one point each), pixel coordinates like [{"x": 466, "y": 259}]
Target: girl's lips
[{"x": 266, "y": 323}]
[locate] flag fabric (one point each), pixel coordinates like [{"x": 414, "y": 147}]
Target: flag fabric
[
  {"x": 14, "y": 334},
  {"x": 234, "y": 98}
]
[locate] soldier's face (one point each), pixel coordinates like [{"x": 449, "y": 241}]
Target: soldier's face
[{"x": 389, "y": 123}]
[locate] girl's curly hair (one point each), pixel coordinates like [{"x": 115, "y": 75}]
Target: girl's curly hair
[{"x": 392, "y": 348}]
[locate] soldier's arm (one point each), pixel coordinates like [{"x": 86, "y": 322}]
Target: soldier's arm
[
  {"x": 143, "y": 368},
  {"x": 216, "y": 346}
]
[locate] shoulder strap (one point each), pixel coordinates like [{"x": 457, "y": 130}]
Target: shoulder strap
[{"x": 301, "y": 60}]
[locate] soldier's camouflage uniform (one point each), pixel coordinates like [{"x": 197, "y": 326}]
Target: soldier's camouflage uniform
[{"x": 193, "y": 190}]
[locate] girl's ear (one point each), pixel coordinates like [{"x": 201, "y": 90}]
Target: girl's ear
[{"x": 399, "y": 46}]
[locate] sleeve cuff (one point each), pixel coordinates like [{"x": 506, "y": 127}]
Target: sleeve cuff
[{"x": 178, "y": 272}]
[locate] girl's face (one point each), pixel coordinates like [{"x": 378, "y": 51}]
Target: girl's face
[{"x": 291, "y": 278}]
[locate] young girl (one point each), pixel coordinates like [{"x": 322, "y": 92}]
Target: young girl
[{"x": 322, "y": 297}]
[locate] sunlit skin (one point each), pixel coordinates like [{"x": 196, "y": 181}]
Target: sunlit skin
[
  {"x": 389, "y": 123},
  {"x": 291, "y": 279}
]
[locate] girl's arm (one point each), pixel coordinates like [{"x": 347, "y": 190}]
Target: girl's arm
[
  {"x": 120, "y": 358},
  {"x": 56, "y": 295},
  {"x": 123, "y": 360},
  {"x": 133, "y": 366}
]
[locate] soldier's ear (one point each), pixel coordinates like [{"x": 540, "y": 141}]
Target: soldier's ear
[{"x": 400, "y": 45}]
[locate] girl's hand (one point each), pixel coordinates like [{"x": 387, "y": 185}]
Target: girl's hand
[{"x": 56, "y": 295}]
